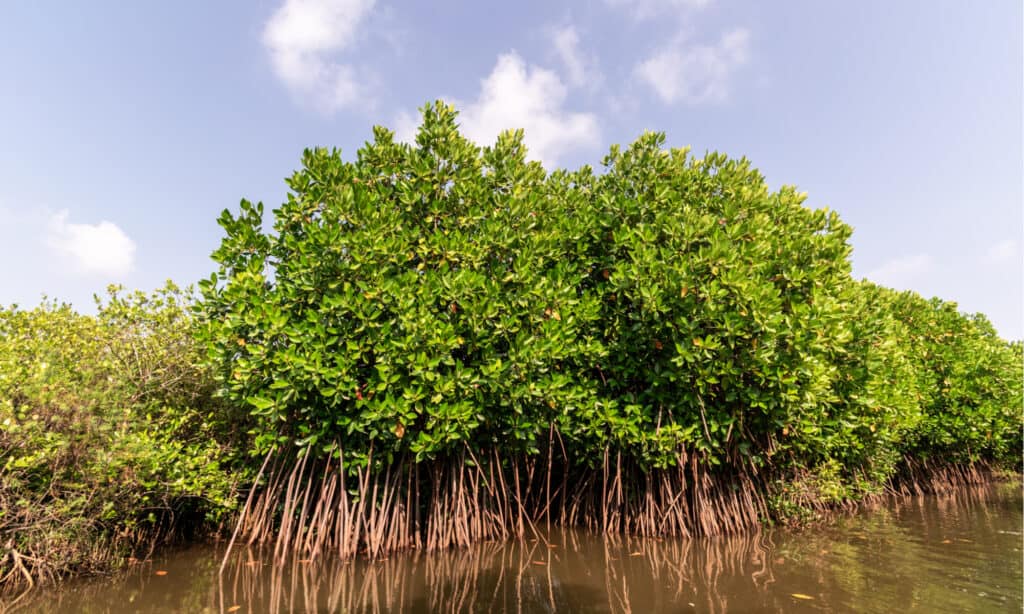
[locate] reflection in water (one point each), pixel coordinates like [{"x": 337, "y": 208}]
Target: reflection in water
[{"x": 956, "y": 553}]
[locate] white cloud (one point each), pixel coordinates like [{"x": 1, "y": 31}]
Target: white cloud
[
  {"x": 515, "y": 96},
  {"x": 102, "y": 249},
  {"x": 1004, "y": 251},
  {"x": 406, "y": 125},
  {"x": 580, "y": 70},
  {"x": 901, "y": 272},
  {"x": 304, "y": 38},
  {"x": 646, "y": 9},
  {"x": 695, "y": 73}
]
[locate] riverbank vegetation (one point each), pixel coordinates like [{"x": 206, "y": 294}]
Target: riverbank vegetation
[
  {"x": 109, "y": 443},
  {"x": 437, "y": 344}
]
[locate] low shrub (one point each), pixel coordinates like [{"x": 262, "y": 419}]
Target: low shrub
[{"x": 111, "y": 439}]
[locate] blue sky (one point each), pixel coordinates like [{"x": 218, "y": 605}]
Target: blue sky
[{"x": 125, "y": 128}]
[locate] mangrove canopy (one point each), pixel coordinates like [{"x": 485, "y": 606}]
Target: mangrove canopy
[{"x": 443, "y": 342}]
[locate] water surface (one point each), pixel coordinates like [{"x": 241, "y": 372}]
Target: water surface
[{"x": 934, "y": 554}]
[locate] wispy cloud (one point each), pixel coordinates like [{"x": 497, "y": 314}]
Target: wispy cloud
[
  {"x": 901, "y": 272},
  {"x": 681, "y": 72},
  {"x": 1004, "y": 251},
  {"x": 304, "y": 39},
  {"x": 516, "y": 95},
  {"x": 581, "y": 69},
  {"x": 101, "y": 249},
  {"x": 647, "y": 9}
]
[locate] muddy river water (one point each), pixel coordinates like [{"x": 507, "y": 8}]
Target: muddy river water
[{"x": 932, "y": 554}]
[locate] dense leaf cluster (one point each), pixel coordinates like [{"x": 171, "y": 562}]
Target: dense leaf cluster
[
  {"x": 109, "y": 436},
  {"x": 435, "y": 297}
]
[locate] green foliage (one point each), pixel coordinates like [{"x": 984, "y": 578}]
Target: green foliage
[
  {"x": 722, "y": 305},
  {"x": 416, "y": 300},
  {"x": 432, "y": 297},
  {"x": 107, "y": 430},
  {"x": 877, "y": 389},
  {"x": 967, "y": 381}
]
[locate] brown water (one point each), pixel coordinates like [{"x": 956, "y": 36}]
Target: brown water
[{"x": 934, "y": 554}]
